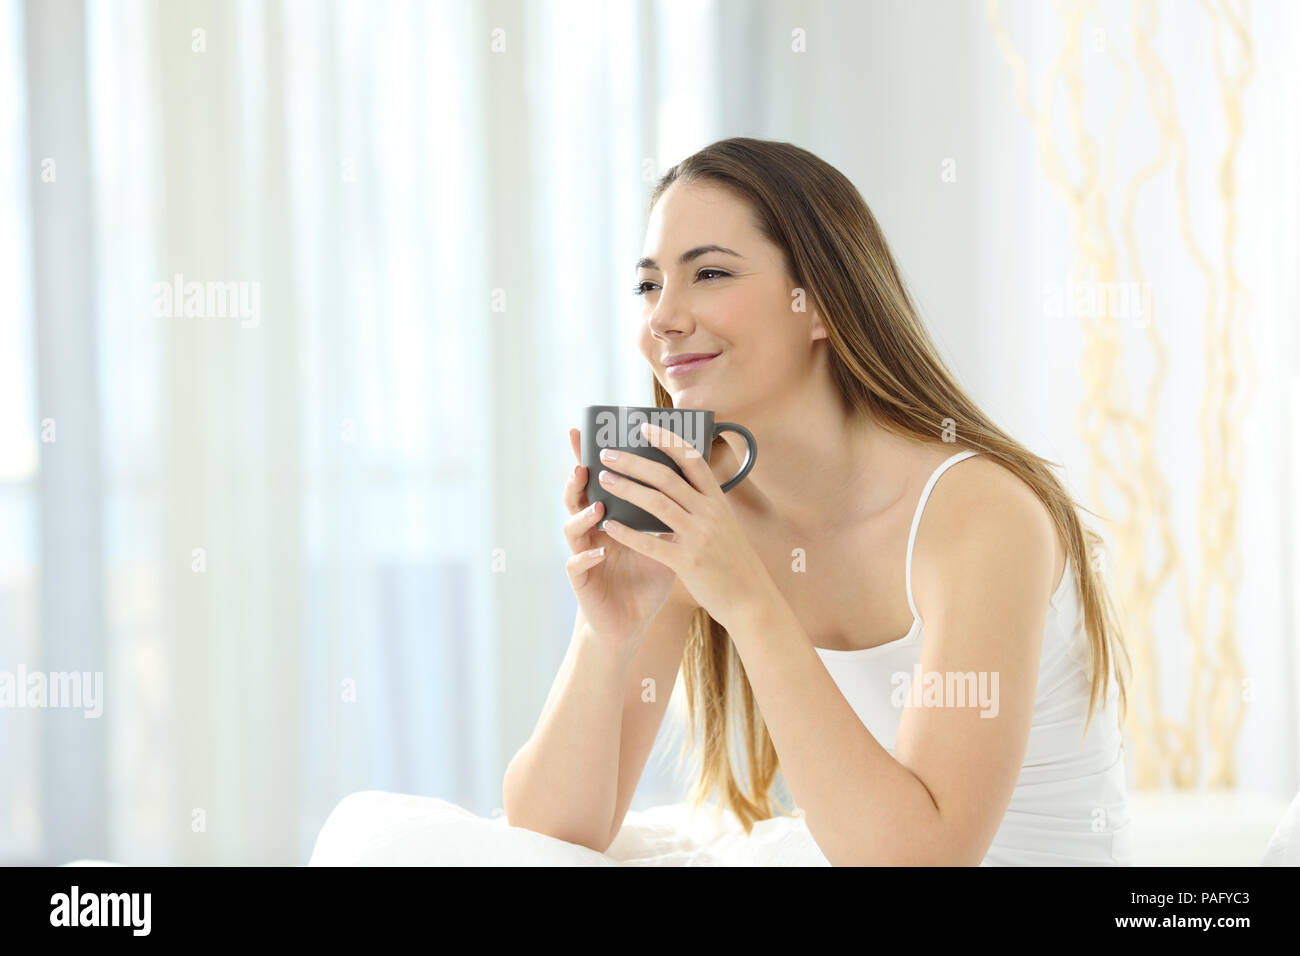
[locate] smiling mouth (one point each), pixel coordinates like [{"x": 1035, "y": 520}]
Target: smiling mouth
[{"x": 685, "y": 368}]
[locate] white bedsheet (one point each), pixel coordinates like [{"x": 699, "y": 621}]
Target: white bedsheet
[
  {"x": 1284, "y": 846},
  {"x": 375, "y": 828}
]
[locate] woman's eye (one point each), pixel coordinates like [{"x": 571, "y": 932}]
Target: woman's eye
[{"x": 640, "y": 287}]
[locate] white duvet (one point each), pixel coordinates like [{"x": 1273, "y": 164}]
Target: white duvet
[
  {"x": 374, "y": 828},
  {"x": 1284, "y": 847}
]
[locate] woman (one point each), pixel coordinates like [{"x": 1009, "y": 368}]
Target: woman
[{"x": 969, "y": 739}]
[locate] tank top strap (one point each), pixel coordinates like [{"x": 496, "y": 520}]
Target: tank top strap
[{"x": 916, "y": 518}]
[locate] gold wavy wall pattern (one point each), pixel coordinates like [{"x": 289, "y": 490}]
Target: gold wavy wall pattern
[{"x": 1165, "y": 747}]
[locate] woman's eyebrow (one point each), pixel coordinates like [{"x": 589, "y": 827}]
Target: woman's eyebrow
[{"x": 690, "y": 254}]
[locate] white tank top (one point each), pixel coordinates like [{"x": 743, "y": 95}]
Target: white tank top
[{"x": 1070, "y": 805}]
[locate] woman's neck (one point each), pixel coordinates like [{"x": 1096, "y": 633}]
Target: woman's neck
[{"x": 819, "y": 468}]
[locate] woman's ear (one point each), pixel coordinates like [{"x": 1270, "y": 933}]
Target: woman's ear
[
  {"x": 801, "y": 301},
  {"x": 818, "y": 329}
]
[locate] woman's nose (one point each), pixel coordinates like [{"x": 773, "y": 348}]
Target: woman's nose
[{"x": 670, "y": 315}]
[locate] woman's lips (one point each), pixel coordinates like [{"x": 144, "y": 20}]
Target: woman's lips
[{"x": 685, "y": 368}]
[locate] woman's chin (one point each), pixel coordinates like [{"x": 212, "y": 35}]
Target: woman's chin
[
  {"x": 722, "y": 411},
  {"x": 691, "y": 391},
  {"x": 691, "y": 396}
]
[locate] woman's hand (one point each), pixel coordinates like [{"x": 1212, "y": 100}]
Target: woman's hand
[
  {"x": 620, "y": 592},
  {"x": 708, "y": 550}
]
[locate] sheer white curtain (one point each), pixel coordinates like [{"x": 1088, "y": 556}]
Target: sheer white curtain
[{"x": 309, "y": 531}]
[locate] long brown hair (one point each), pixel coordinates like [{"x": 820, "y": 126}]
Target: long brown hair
[{"x": 884, "y": 364}]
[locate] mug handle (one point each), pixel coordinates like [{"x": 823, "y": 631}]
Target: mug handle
[{"x": 751, "y": 451}]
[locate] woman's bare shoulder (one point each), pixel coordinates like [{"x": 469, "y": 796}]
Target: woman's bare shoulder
[
  {"x": 985, "y": 487},
  {"x": 981, "y": 481}
]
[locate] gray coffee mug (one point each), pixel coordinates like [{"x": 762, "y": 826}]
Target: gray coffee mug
[{"x": 619, "y": 427}]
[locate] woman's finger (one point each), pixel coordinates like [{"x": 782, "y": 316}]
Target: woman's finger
[
  {"x": 575, "y": 490},
  {"x": 577, "y": 529},
  {"x": 579, "y": 564}
]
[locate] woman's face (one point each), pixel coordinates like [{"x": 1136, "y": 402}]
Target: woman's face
[{"x": 737, "y": 303}]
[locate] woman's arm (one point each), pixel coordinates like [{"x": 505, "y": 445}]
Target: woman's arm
[
  {"x": 575, "y": 777},
  {"x": 983, "y": 593},
  {"x": 563, "y": 781}
]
